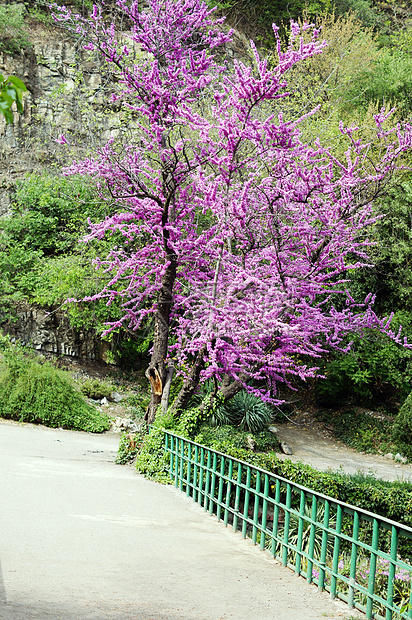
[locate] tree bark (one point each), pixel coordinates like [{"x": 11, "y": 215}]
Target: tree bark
[
  {"x": 157, "y": 372},
  {"x": 229, "y": 390},
  {"x": 166, "y": 388}
]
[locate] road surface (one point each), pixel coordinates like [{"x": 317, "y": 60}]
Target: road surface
[{"x": 82, "y": 538}]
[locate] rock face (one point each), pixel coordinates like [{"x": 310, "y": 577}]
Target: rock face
[
  {"x": 60, "y": 76},
  {"x": 51, "y": 333}
]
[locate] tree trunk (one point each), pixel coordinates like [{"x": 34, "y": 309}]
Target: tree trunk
[
  {"x": 229, "y": 390},
  {"x": 190, "y": 384},
  {"x": 166, "y": 388},
  {"x": 157, "y": 372}
]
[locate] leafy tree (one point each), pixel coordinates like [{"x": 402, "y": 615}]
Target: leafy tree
[
  {"x": 237, "y": 232},
  {"x": 390, "y": 276}
]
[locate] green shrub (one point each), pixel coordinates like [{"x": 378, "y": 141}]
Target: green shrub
[
  {"x": 129, "y": 447},
  {"x": 93, "y": 388},
  {"x": 375, "y": 370},
  {"x": 245, "y": 411},
  {"x": 151, "y": 459},
  {"x": 250, "y": 412},
  {"x": 222, "y": 437},
  {"x": 33, "y": 392},
  {"x": 402, "y": 428},
  {"x": 359, "y": 430}
]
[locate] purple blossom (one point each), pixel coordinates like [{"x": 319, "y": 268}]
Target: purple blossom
[{"x": 244, "y": 228}]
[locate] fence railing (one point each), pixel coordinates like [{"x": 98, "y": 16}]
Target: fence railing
[{"x": 352, "y": 553}]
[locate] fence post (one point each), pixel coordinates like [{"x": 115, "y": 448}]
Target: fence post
[
  {"x": 246, "y": 503},
  {"x": 314, "y": 512},
  {"x": 264, "y": 512},
  {"x": 353, "y": 560},
  {"x": 324, "y": 546},
  {"x": 336, "y": 549},
  {"x": 220, "y": 491},
  {"x": 302, "y": 505}
]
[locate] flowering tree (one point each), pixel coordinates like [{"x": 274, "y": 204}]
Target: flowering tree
[{"x": 237, "y": 234}]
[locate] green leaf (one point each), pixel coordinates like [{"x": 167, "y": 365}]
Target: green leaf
[
  {"x": 6, "y": 99},
  {"x": 11, "y": 92},
  {"x": 7, "y": 114},
  {"x": 17, "y": 82}
]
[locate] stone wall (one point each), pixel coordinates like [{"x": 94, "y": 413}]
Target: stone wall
[
  {"x": 59, "y": 74},
  {"x": 50, "y": 332}
]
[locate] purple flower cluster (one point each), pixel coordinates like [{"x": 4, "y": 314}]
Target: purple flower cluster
[{"x": 231, "y": 221}]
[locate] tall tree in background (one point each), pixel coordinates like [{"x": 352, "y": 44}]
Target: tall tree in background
[{"x": 236, "y": 234}]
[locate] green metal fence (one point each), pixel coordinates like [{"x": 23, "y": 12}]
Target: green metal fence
[{"x": 352, "y": 553}]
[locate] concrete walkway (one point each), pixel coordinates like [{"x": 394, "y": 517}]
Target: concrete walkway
[{"x": 83, "y": 538}]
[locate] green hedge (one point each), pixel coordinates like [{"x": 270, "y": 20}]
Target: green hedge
[{"x": 38, "y": 393}]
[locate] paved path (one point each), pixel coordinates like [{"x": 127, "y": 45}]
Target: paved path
[
  {"x": 83, "y": 538},
  {"x": 314, "y": 447}
]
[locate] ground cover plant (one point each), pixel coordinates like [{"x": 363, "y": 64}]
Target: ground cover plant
[
  {"x": 36, "y": 392},
  {"x": 359, "y": 430},
  {"x": 238, "y": 234}
]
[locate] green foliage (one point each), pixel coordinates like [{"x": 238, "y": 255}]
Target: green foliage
[
  {"x": 13, "y": 32},
  {"x": 129, "y": 447},
  {"x": 189, "y": 422},
  {"x": 33, "y": 392},
  {"x": 391, "y": 275},
  {"x": 249, "y": 412},
  {"x": 222, "y": 437},
  {"x": 138, "y": 402},
  {"x": 151, "y": 459},
  {"x": 387, "y": 82},
  {"x": 403, "y": 41},
  {"x": 402, "y": 429},
  {"x": 50, "y": 213},
  {"x": 364, "y": 10},
  {"x": 296, "y": 522},
  {"x": 11, "y": 91},
  {"x": 245, "y": 411},
  {"x": 96, "y": 389},
  {"x": 41, "y": 260},
  {"x": 375, "y": 370},
  {"x": 360, "y": 430}
]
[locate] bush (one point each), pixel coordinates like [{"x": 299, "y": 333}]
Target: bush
[
  {"x": 33, "y": 392},
  {"x": 402, "y": 428},
  {"x": 359, "y": 430},
  {"x": 375, "y": 370},
  {"x": 245, "y": 411},
  {"x": 151, "y": 459},
  {"x": 93, "y": 388},
  {"x": 129, "y": 447},
  {"x": 224, "y": 436}
]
